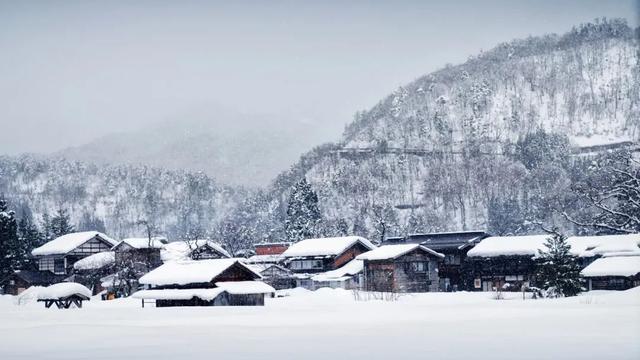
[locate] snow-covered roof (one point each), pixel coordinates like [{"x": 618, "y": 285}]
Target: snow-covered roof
[
  {"x": 62, "y": 290},
  {"x": 261, "y": 259},
  {"x": 245, "y": 287},
  {"x": 190, "y": 272},
  {"x": 95, "y": 261},
  {"x": 393, "y": 251},
  {"x": 231, "y": 287},
  {"x": 530, "y": 244},
  {"x": 69, "y": 242},
  {"x": 144, "y": 243},
  {"x": 613, "y": 266},
  {"x": 326, "y": 246},
  {"x": 349, "y": 269},
  {"x": 181, "y": 250}
]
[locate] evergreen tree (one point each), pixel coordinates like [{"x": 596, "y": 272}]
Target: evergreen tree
[
  {"x": 8, "y": 239},
  {"x": 61, "y": 224},
  {"x": 303, "y": 214},
  {"x": 45, "y": 225},
  {"x": 558, "y": 271},
  {"x": 29, "y": 238}
]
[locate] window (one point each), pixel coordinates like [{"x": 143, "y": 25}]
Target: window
[
  {"x": 45, "y": 264},
  {"x": 419, "y": 266},
  {"x": 12, "y": 282},
  {"x": 452, "y": 259},
  {"x": 306, "y": 264},
  {"x": 58, "y": 266}
]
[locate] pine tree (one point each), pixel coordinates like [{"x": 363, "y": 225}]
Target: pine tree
[
  {"x": 61, "y": 224},
  {"x": 303, "y": 214},
  {"x": 29, "y": 238},
  {"x": 8, "y": 239},
  {"x": 558, "y": 271}
]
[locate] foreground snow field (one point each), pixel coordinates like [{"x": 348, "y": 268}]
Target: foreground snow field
[{"x": 330, "y": 323}]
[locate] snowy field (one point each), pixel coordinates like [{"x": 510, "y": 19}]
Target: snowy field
[{"x": 331, "y": 324}]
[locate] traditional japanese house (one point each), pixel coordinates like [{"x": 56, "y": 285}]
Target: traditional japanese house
[
  {"x": 279, "y": 277},
  {"x": 616, "y": 271},
  {"x": 508, "y": 262},
  {"x": 454, "y": 246},
  {"x": 21, "y": 280},
  {"x": 213, "y": 282},
  {"x": 59, "y": 255},
  {"x": 349, "y": 277},
  {"x": 268, "y": 253},
  {"x": 193, "y": 250},
  {"x": 90, "y": 270},
  {"x": 142, "y": 252},
  {"x": 324, "y": 254},
  {"x": 401, "y": 268}
]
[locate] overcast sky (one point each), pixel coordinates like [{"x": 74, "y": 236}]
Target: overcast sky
[{"x": 71, "y": 71}]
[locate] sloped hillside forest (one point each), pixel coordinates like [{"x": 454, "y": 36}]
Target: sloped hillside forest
[{"x": 496, "y": 143}]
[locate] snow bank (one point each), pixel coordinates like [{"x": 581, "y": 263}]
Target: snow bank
[
  {"x": 67, "y": 243},
  {"x": 245, "y": 287},
  {"x": 62, "y": 290},
  {"x": 325, "y": 246},
  {"x": 613, "y": 266},
  {"x": 95, "y": 261},
  {"x": 190, "y": 272},
  {"x": 393, "y": 251},
  {"x": 181, "y": 250}
]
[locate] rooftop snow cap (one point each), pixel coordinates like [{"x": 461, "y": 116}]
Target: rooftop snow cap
[
  {"x": 144, "y": 243},
  {"x": 394, "y": 251},
  {"x": 584, "y": 246},
  {"x": 68, "y": 242},
  {"x": 613, "y": 266},
  {"x": 181, "y": 250},
  {"x": 191, "y": 272},
  {"x": 326, "y": 246}
]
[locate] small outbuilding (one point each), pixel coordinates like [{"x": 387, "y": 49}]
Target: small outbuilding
[
  {"x": 213, "y": 282},
  {"x": 613, "y": 272},
  {"x": 20, "y": 280},
  {"x": 401, "y": 268}
]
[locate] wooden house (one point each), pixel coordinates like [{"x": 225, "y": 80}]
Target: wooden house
[
  {"x": 193, "y": 250},
  {"x": 275, "y": 275},
  {"x": 268, "y": 253},
  {"x": 21, "y": 280},
  {"x": 454, "y": 246},
  {"x": 325, "y": 254},
  {"x": 401, "y": 268},
  {"x": 348, "y": 277},
  {"x": 90, "y": 270},
  {"x": 213, "y": 282},
  {"x": 508, "y": 262},
  {"x": 613, "y": 272},
  {"x": 59, "y": 255},
  {"x": 143, "y": 251}
]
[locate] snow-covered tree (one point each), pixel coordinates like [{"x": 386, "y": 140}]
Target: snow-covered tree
[
  {"x": 29, "y": 238},
  {"x": 303, "y": 214},
  {"x": 61, "y": 223},
  {"x": 8, "y": 239},
  {"x": 558, "y": 271}
]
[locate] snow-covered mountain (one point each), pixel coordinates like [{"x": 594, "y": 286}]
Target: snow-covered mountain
[
  {"x": 438, "y": 153},
  {"x": 235, "y": 149}
]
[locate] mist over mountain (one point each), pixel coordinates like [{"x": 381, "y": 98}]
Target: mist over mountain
[{"x": 233, "y": 148}]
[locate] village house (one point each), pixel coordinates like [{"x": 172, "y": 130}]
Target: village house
[
  {"x": 508, "y": 262},
  {"x": 59, "y": 255},
  {"x": 193, "y": 250},
  {"x": 313, "y": 256},
  {"x": 349, "y": 277},
  {"x": 401, "y": 268},
  {"x": 278, "y": 276},
  {"x": 268, "y": 253},
  {"x": 90, "y": 270},
  {"x": 140, "y": 252},
  {"x": 213, "y": 282},
  {"x": 454, "y": 246},
  {"x": 21, "y": 280},
  {"x": 615, "y": 271}
]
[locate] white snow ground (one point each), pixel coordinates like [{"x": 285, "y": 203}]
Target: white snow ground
[{"x": 331, "y": 324}]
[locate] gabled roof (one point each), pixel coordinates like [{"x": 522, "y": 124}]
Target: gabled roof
[
  {"x": 143, "y": 243},
  {"x": 181, "y": 250},
  {"x": 67, "y": 243},
  {"x": 191, "y": 272},
  {"x": 442, "y": 240},
  {"x": 387, "y": 252},
  {"x": 613, "y": 266},
  {"x": 326, "y": 246}
]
